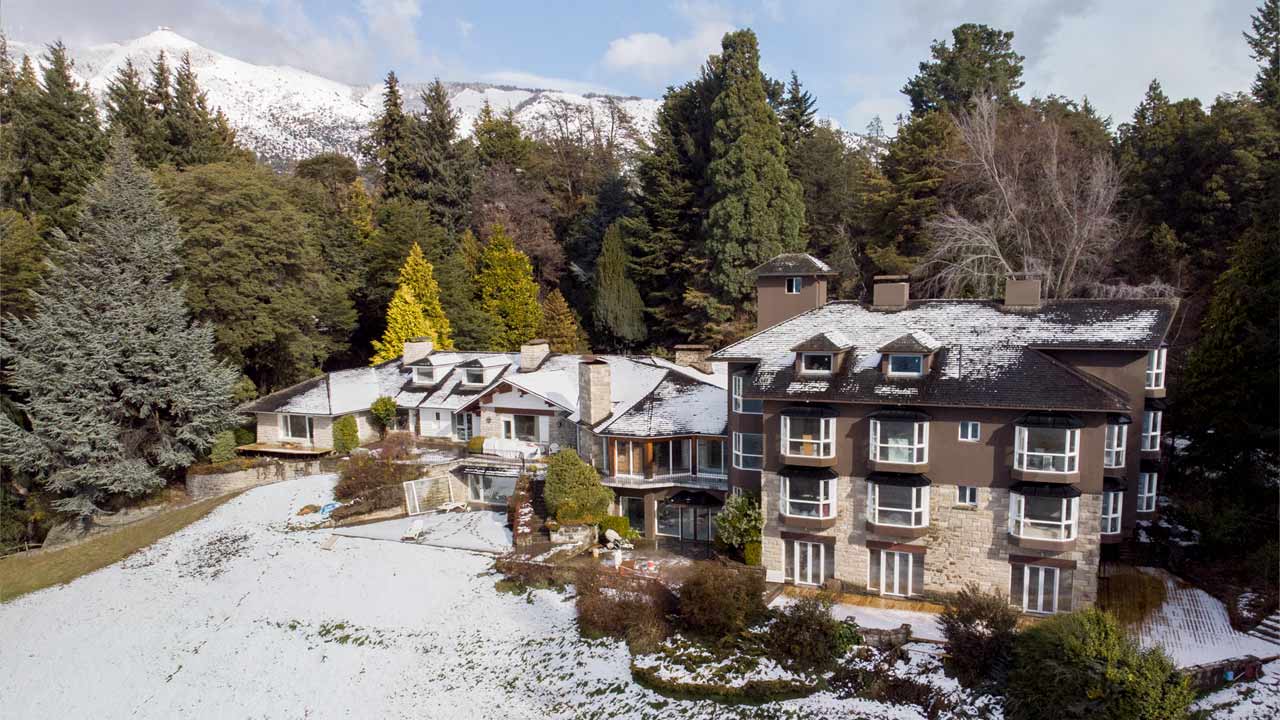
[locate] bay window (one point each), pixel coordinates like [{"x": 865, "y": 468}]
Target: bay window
[
  {"x": 1147, "y": 492},
  {"x": 628, "y": 458},
  {"x": 711, "y": 457},
  {"x": 897, "y": 505},
  {"x": 1042, "y": 517},
  {"x": 1155, "y": 369},
  {"x": 743, "y": 405},
  {"x": 1046, "y": 449},
  {"x": 1112, "y": 507},
  {"x": 1117, "y": 435},
  {"x": 670, "y": 458},
  {"x": 748, "y": 451},
  {"x": 808, "y": 436},
  {"x": 899, "y": 441},
  {"x": 808, "y": 496},
  {"x": 1151, "y": 429}
]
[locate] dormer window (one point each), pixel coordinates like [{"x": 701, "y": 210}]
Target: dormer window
[
  {"x": 794, "y": 284},
  {"x": 423, "y": 375},
  {"x": 815, "y": 363},
  {"x": 906, "y": 365},
  {"x": 473, "y": 376}
]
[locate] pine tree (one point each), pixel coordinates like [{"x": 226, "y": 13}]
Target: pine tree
[
  {"x": 756, "y": 209},
  {"x": 22, "y": 263},
  {"x": 390, "y": 144},
  {"x": 1264, "y": 45},
  {"x": 508, "y": 292},
  {"x": 979, "y": 59},
  {"x": 499, "y": 140},
  {"x": 128, "y": 111},
  {"x": 418, "y": 275},
  {"x": 617, "y": 307},
  {"x": 195, "y": 135},
  {"x": 472, "y": 327},
  {"x": 121, "y": 389},
  {"x": 907, "y": 191},
  {"x": 560, "y": 326},
  {"x": 405, "y": 321},
  {"x": 797, "y": 113},
  {"x": 443, "y": 162}
]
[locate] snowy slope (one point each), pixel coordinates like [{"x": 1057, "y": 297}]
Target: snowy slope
[{"x": 285, "y": 114}]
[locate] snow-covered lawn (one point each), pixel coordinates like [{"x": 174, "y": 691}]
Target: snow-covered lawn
[
  {"x": 923, "y": 625},
  {"x": 1193, "y": 627},
  {"x": 481, "y": 531},
  {"x": 236, "y": 616},
  {"x": 1258, "y": 700}
]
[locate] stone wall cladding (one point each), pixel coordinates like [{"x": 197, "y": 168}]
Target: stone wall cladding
[
  {"x": 200, "y": 487},
  {"x": 963, "y": 544}
]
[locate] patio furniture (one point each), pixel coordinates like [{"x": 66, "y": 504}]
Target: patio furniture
[{"x": 414, "y": 531}]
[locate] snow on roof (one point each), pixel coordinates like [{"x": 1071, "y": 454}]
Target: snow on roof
[
  {"x": 988, "y": 355},
  {"x": 488, "y": 360},
  {"x": 829, "y": 341},
  {"x": 678, "y": 405},
  {"x": 793, "y": 264},
  {"x": 440, "y": 358},
  {"x": 917, "y": 341},
  {"x": 558, "y": 386}
]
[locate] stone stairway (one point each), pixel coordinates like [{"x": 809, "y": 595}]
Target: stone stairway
[
  {"x": 534, "y": 516},
  {"x": 1268, "y": 629}
]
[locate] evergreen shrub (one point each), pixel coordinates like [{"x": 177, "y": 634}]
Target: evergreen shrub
[
  {"x": 384, "y": 413},
  {"x": 616, "y": 523},
  {"x": 346, "y": 434},
  {"x": 224, "y": 447},
  {"x": 751, "y": 553},
  {"x": 805, "y": 635},
  {"x": 718, "y": 600},
  {"x": 573, "y": 492}
]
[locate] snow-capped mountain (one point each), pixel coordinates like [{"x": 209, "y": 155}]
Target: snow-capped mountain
[{"x": 285, "y": 114}]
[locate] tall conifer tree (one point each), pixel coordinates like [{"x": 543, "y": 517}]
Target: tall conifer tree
[
  {"x": 508, "y": 292},
  {"x": 390, "y": 143},
  {"x": 443, "y": 161},
  {"x": 419, "y": 276},
  {"x": 617, "y": 306},
  {"x": 560, "y": 326},
  {"x": 797, "y": 113},
  {"x": 405, "y": 321}
]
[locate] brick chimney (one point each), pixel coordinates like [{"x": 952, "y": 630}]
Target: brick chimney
[
  {"x": 595, "y": 393},
  {"x": 533, "y": 353},
  {"x": 890, "y": 292},
  {"x": 416, "y": 349},
  {"x": 1022, "y": 292},
  {"x": 694, "y": 356}
]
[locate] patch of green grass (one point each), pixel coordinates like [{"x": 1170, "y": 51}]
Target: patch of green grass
[{"x": 28, "y": 572}]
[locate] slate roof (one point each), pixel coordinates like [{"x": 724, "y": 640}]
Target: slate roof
[
  {"x": 989, "y": 356},
  {"x": 829, "y": 341},
  {"x": 336, "y": 393},
  {"x": 791, "y": 264},
  {"x": 913, "y": 342},
  {"x": 677, "y": 405}
]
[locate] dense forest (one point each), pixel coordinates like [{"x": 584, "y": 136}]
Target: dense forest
[{"x": 598, "y": 237}]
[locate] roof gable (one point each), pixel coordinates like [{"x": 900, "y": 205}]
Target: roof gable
[{"x": 790, "y": 264}]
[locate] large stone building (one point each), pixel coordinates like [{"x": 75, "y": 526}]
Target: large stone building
[{"x": 908, "y": 447}]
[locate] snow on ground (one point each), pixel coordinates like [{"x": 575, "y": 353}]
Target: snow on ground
[
  {"x": 1193, "y": 627},
  {"x": 482, "y": 531},
  {"x": 923, "y": 625},
  {"x": 236, "y": 616},
  {"x": 1257, "y": 700}
]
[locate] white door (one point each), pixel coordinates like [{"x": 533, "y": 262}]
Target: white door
[
  {"x": 810, "y": 560},
  {"x": 895, "y": 573},
  {"x": 1040, "y": 589}
]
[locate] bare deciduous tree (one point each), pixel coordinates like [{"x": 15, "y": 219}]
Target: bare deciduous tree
[{"x": 1021, "y": 198}]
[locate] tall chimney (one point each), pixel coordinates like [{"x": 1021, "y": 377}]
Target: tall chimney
[
  {"x": 1022, "y": 292},
  {"x": 595, "y": 394},
  {"x": 533, "y": 353},
  {"x": 890, "y": 292},
  {"x": 416, "y": 349},
  {"x": 694, "y": 356}
]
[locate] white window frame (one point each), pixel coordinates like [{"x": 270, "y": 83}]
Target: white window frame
[
  {"x": 1155, "y": 368},
  {"x": 804, "y": 360},
  {"x": 825, "y": 504},
  {"x": 824, "y": 446},
  {"x": 629, "y": 471},
  {"x": 819, "y": 568},
  {"x": 739, "y": 403},
  {"x": 1070, "y": 458},
  {"x": 1043, "y": 571},
  {"x": 1066, "y": 528},
  {"x": 720, "y": 472},
  {"x": 798, "y": 282},
  {"x": 973, "y": 425},
  {"x": 423, "y": 375},
  {"x": 1148, "y": 486},
  {"x": 895, "y": 373},
  {"x": 1116, "y": 441},
  {"x": 918, "y": 449},
  {"x": 967, "y": 495},
  {"x": 919, "y": 506},
  {"x": 463, "y": 425},
  {"x": 1151, "y": 422},
  {"x": 670, "y": 470},
  {"x": 911, "y": 561},
  {"x": 1112, "y": 509},
  {"x": 286, "y": 431},
  {"x": 739, "y": 454},
  {"x": 466, "y": 376}
]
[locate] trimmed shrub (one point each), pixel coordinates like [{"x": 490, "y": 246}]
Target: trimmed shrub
[
  {"x": 979, "y": 629},
  {"x": 364, "y": 473},
  {"x": 245, "y": 435},
  {"x": 573, "y": 491},
  {"x": 618, "y": 524},
  {"x": 751, "y": 553},
  {"x": 383, "y": 411},
  {"x": 224, "y": 447},
  {"x": 346, "y": 434},
  {"x": 740, "y": 521},
  {"x": 1082, "y": 665},
  {"x": 718, "y": 600},
  {"x": 805, "y": 636},
  {"x": 475, "y": 445}
]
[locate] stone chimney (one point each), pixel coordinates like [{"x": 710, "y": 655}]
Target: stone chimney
[
  {"x": 595, "y": 394},
  {"x": 1022, "y": 292},
  {"x": 533, "y": 353},
  {"x": 694, "y": 356},
  {"x": 890, "y": 292},
  {"x": 416, "y": 349}
]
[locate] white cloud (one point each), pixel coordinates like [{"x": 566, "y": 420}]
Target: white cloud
[
  {"x": 465, "y": 28},
  {"x": 392, "y": 23},
  {"x": 857, "y": 117},
  {"x": 654, "y": 56}
]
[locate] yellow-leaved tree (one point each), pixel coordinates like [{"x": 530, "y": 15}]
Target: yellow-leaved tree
[
  {"x": 419, "y": 276},
  {"x": 405, "y": 321}
]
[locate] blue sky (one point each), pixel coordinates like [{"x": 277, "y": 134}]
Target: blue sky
[{"x": 854, "y": 56}]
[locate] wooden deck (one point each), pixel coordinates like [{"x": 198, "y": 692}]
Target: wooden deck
[{"x": 273, "y": 449}]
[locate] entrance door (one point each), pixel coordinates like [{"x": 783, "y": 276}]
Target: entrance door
[
  {"x": 810, "y": 560},
  {"x": 1040, "y": 589},
  {"x": 633, "y": 511},
  {"x": 895, "y": 573},
  {"x": 508, "y": 428},
  {"x": 462, "y": 426}
]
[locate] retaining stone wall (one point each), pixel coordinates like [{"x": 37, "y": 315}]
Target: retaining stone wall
[{"x": 200, "y": 487}]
